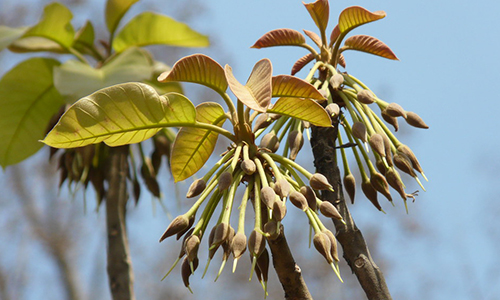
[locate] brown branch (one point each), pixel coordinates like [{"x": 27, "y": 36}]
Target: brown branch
[
  {"x": 121, "y": 277},
  {"x": 356, "y": 252},
  {"x": 288, "y": 271}
]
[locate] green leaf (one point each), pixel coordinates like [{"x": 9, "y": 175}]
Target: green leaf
[
  {"x": 150, "y": 29},
  {"x": 193, "y": 146},
  {"x": 257, "y": 93},
  {"x": 115, "y": 10},
  {"x": 27, "y": 104},
  {"x": 303, "y": 109},
  {"x": 9, "y": 35},
  {"x": 197, "y": 68},
  {"x": 121, "y": 114},
  {"x": 319, "y": 11},
  {"x": 36, "y": 44},
  {"x": 55, "y": 25},
  {"x": 163, "y": 87},
  {"x": 84, "y": 38},
  {"x": 369, "y": 44},
  {"x": 355, "y": 16},
  {"x": 290, "y": 86},
  {"x": 77, "y": 79},
  {"x": 280, "y": 37}
]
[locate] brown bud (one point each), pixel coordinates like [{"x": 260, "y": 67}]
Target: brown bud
[
  {"x": 414, "y": 120},
  {"x": 186, "y": 270},
  {"x": 380, "y": 165},
  {"x": 365, "y": 97},
  {"x": 329, "y": 211},
  {"x": 388, "y": 150},
  {"x": 282, "y": 188},
  {"x": 414, "y": 161},
  {"x": 177, "y": 225},
  {"x": 378, "y": 181},
  {"x": 263, "y": 264},
  {"x": 308, "y": 192},
  {"x": 279, "y": 210},
  {"x": 403, "y": 163},
  {"x": 267, "y": 196},
  {"x": 256, "y": 243},
  {"x": 295, "y": 143},
  {"x": 333, "y": 242},
  {"x": 306, "y": 124},
  {"x": 319, "y": 182},
  {"x": 391, "y": 120},
  {"x": 298, "y": 200},
  {"x": 262, "y": 121},
  {"x": 395, "y": 182},
  {"x": 191, "y": 246},
  {"x": 162, "y": 144},
  {"x": 359, "y": 131},
  {"x": 323, "y": 245},
  {"x": 212, "y": 250},
  {"x": 336, "y": 81},
  {"x": 350, "y": 186},
  {"x": 191, "y": 222},
  {"x": 270, "y": 141},
  {"x": 248, "y": 167},
  {"x": 395, "y": 110},
  {"x": 225, "y": 180},
  {"x": 196, "y": 188},
  {"x": 239, "y": 245},
  {"x": 333, "y": 109},
  {"x": 370, "y": 193},
  {"x": 221, "y": 233},
  {"x": 271, "y": 228},
  {"x": 377, "y": 143},
  {"x": 226, "y": 244}
]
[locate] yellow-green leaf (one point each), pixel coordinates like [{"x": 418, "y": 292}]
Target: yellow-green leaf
[
  {"x": 257, "y": 92},
  {"x": 115, "y": 9},
  {"x": 84, "y": 38},
  {"x": 303, "y": 109},
  {"x": 319, "y": 11},
  {"x": 193, "y": 146},
  {"x": 36, "y": 44},
  {"x": 355, "y": 16},
  {"x": 197, "y": 68},
  {"x": 290, "y": 86},
  {"x": 27, "y": 105},
  {"x": 370, "y": 45},
  {"x": 55, "y": 25},
  {"x": 151, "y": 29},
  {"x": 9, "y": 35},
  {"x": 118, "y": 115},
  {"x": 280, "y": 37}
]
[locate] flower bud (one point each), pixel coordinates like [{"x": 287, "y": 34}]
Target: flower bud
[
  {"x": 350, "y": 186},
  {"x": 395, "y": 182},
  {"x": 403, "y": 163},
  {"x": 308, "y": 192},
  {"x": 395, "y": 110},
  {"x": 376, "y": 141},
  {"x": 322, "y": 243},
  {"x": 268, "y": 196},
  {"x": 370, "y": 193},
  {"x": 196, "y": 188},
  {"x": 329, "y": 211},
  {"x": 186, "y": 270},
  {"x": 391, "y": 120},
  {"x": 365, "y": 97},
  {"x": 414, "y": 161},
  {"x": 306, "y": 124},
  {"x": 282, "y": 188},
  {"x": 379, "y": 163},
  {"x": 333, "y": 109},
  {"x": 248, "y": 166},
  {"x": 336, "y": 81},
  {"x": 380, "y": 184},
  {"x": 298, "y": 200},
  {"x": 239, "y": 245},
  {"x": 388, "y": 150},
  {"x": 319, "y": 182},
  {"x": 414, "y": 120},
  {"x": 279, "y": 210},
  {"x": 333, "y": 242},
  {"x": 221, "y": 233},
  {"x": 295, "y": 143},
  {"x": 270, "y": 141},
  {"x": 256, "y": 243},
  {"x": 191, "y": 222},
  {"x": 263, "y": 264},
  {"x": 271, "y": 228},
  {"x": 359, "y": 131},
  {"x": 191, "y": 246},
  {"x": 177, "y": 225},
  {"x": 262, "y": 121},
  {"x": 225, "y": 180}
]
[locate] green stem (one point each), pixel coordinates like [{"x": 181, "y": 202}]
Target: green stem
[
  {"x": 231, "y": 107},
  {"x": 285, "y": 161},
  {"x": 230, "y": 197}
]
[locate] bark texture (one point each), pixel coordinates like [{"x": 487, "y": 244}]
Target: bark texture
[
  {"x": 355, "y": 250},
  {"x": 121, "y": 277}
]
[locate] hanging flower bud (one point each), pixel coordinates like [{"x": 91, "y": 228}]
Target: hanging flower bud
[
  {"x": 282, "y": 188},
  {"x": 262, "y": 121},
  {"x": 322, "y": 243},
  {"x": 359, "y": 131},
  {"x": 333, "y": 109},
  {"x": 191, "y": 222},
  {"x": 395, "y": 182},
  {"x": 333, "y": 243},
  {"x": 191, "y": 246},
  {"x": 221, "y": 233},
  {"x": 256, "y": 243},
  {"x": 319, "y": 182},
  {"x": 268, "y": 196},
  {"x": 225, "y": 180},
  {"x": 196, "y": 188},
  {"x": 248, "y": 166},
  {"x": 391, "y": 120},
  {"x": 395, "y": 110},
  {"x": 295, "y": 143},
  {"x": 388, "y": 151},
  {"x": 365, "y": 97},
  {"x": 336, "y": 81},
  {"x": 270, "y": 141},
  {"x": 380, "y": 184},
  {"x": 298, "y": 200},
  {"x": 308, "y": 192},
  {"x": 329, "y": 211},
  {"x": 177, "y": 225},
  {"x": 403, "y": 163},
  {"x": 414, "y": 120},
  {"x": 377, "y": 143},
  {"x": 271, "y": 228},
  {"x": 186, "y": 270},
  {"x": 350, "y": 186},
  {"x": 370, "y": 193},
  {"x": 279, "y": 210},
  {"x": 239, "y": 245},
  {"x": 414, "y": 161},
  {"x": 263, "y": 264}
]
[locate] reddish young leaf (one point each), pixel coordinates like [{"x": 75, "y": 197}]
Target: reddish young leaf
[
  {"x": 334, "y": 35},
  {"x": 355, "y": 16},
  {"x": 280, "y": 37},
  {"x": 197, "y": 68},
  {"x": 301, "y": 62},
  {"x": 314, "y": 37},
  {"x": 319, "y": 11},
  {"x": 290, "y": 86},
  {"x": 342, "y": 60},
  {"x": 369, "y": 44}
]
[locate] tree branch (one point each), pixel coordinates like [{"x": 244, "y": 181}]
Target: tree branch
[
  {"x": 356, "y": 252},
  {"x": 288, "y": 271},
  {"x": 121, "y": 277}
]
